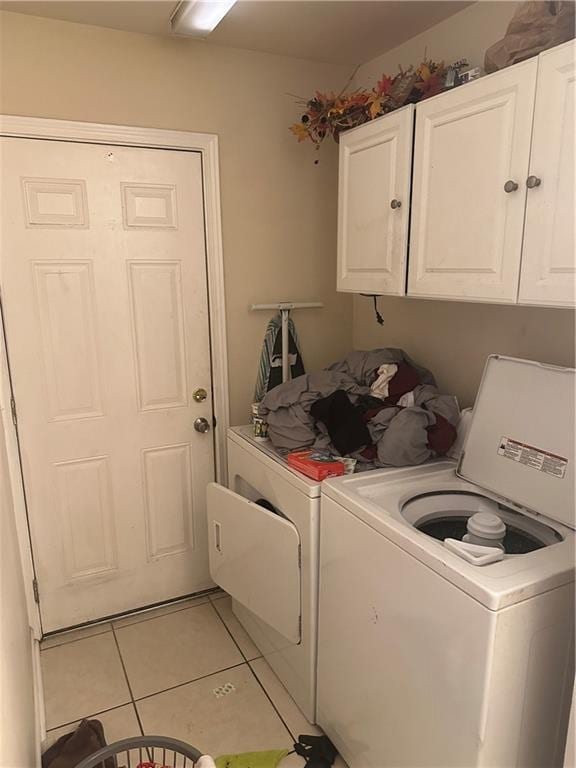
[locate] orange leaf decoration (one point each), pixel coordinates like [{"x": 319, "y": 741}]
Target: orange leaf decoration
[
  {"x": 300, "y": 131},
  {"x": 375, "y": 106},
  {"x": 424, "y": 71},
  {"x": 328, "y": 114}
]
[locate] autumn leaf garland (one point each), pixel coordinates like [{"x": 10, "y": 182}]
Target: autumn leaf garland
[{"x": 329, "y": 114}]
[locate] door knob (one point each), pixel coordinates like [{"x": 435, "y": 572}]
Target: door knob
[
  {"x": 395, "y": 204},
  {"x": 533, "y": 181},
  {"x": 202, "y": 425},
  {"x": 510, "y": 186},
  {"x": 199, "y": 395}
]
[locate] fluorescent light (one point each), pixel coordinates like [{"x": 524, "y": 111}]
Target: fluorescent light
[{"x": 197, "y": 18}]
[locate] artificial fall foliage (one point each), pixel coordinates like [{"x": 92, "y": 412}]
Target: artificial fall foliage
[{"x": 327, "y": 114}]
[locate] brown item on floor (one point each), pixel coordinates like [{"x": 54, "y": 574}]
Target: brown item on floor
[
  {"x": 74, "y": 747},
  {"x": 535, "y": 27}
]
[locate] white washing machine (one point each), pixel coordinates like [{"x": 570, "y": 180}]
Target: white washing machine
[{"x": 451, "y": 653}]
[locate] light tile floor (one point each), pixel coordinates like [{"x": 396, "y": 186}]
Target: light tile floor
[{"x": 159, "y": 672}]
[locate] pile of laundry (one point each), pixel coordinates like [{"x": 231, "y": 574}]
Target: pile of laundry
[{"x": 378, "y": 407}]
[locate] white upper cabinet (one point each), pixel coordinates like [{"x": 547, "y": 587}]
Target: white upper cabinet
[
  {"x": 548, "y": 273},
  {"x": 374, "y": 204},
  {"x": 471, "y": 160}
]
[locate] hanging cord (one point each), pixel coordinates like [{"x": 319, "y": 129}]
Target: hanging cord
[{"x": 375, "y": 297}]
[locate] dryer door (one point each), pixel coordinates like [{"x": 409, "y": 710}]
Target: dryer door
[{"x": 255, "y": 557}]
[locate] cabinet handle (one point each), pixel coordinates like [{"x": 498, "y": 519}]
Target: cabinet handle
[
  {"x": 395, "y": 204},
  {"x": 510, "y": 186},
  {"x": 533, "y": 181}
]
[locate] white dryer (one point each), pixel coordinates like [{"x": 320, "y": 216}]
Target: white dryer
[
  {"x": 438, "y": 652},
  {"x": 263, "y": 546}
]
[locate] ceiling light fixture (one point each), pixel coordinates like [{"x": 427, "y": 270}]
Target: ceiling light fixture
[{"x": 197, "y": 18}]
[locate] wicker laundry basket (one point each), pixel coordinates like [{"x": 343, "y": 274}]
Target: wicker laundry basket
[{"x": 129, "y": 753}]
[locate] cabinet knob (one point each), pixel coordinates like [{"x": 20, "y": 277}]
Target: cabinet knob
[
  {"x": 395, "y": 204},
  {"x": 510, "y": 186},
  {"x": 533, "y": 181}
]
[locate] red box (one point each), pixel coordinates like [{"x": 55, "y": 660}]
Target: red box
[{"x": 318, "y": 468}]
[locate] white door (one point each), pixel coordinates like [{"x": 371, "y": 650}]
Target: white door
[
  {"x": 104, "y": 286},
  {"x": 255, "y": 557},
  {"x": 471, "y": 155},
  {"x": 548, "y": 274},
  {"x": 374, "y": 204}
]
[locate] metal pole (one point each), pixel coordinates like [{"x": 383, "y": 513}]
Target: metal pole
[{"x": 285, "y": 345}]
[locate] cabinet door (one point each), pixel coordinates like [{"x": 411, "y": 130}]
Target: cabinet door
[
  {"x": 466, "y": 231},
  {"x": 548, "y": 272},
  {"x": 373, "y": 204}
]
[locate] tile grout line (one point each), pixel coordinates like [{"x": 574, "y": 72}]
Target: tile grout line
[
  {"x": 189, "y": 682},
  {"x": 236, "y": 643},
  {"x": 261, "y": 684},
  {"x": 75, "y": 640},
  {"x": 247, "y": 661},
  {"x": 132, "y": 700},
  {"x": 240, "y": 651},
  {"x": 88, "y": 717}
]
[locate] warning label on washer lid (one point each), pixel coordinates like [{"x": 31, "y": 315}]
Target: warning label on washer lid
[{"x": 543, "y": 461}]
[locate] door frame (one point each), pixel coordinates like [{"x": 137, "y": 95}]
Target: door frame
[
  {"x": 16, "y": 483},
  {"x": 206, "y": 144}
]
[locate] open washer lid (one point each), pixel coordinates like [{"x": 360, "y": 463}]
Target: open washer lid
[{"x": 521, "y": 440}]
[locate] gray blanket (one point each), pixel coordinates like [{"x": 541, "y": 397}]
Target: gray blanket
[
  {"x": 363, "y": 366},
  {"x": 399, "y": 434}
]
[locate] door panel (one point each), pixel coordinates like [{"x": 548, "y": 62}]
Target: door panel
[
  {"x": 466, "y": 231},
  {"x": 254, "y": 556},
  {"x": 156, "y": 304},
  {"x": 65, "y": 303},
  {"x": 168, "y": 500},
  {"x": 548, "y": 259},
  {"x": 87, "y": 516},
  {"x": 104, "y": 284},
  {"x": 375, "y": 165}
]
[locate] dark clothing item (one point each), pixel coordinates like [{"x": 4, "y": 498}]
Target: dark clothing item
[
  {"x": 270, "y": 367},
  {"x": 404, "y": 380},
  {"x": 368, "y": 406},
  {"x": 318, "y": 751},
  {"x": 370, "y": 453},
  {"x": 294, "y": 359},
  {"x": 72, "y": 748},
  {"x": 286, "y": 408},
  {"x": 441, "y": 436},
  {"x": 344, "y": 423}
]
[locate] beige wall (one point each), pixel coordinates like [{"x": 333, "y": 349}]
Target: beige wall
[
  {"x": 454, "y": 338},
  {"x": 17, "y": 706},
  {"x": 279, "y": 209},
  {"x": 467, "y": 34}
]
